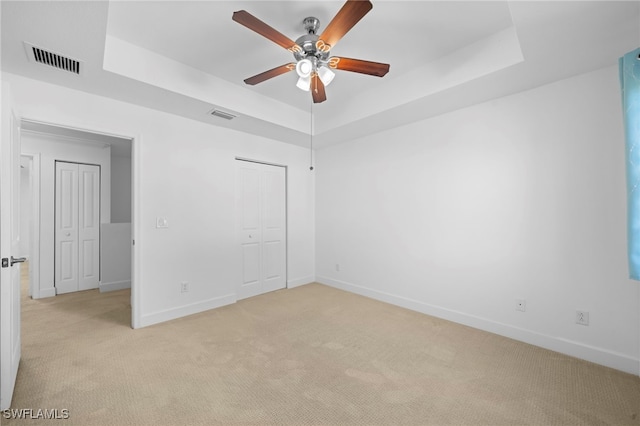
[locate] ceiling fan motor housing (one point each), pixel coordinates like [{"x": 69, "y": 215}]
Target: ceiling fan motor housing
[{"x": 309, "y": 42}]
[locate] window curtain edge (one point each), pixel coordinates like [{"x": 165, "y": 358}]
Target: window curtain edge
[{"x": 629, "y": 70}]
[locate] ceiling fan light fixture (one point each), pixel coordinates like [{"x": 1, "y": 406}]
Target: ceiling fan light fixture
[
  {"x": 304, "y": 83},
  {"x": 326, "y": 75},
  {"x": 304, "y": 68},
  {"x": 311, "y": 51}
]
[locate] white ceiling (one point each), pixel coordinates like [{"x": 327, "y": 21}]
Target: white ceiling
[{"x": 189, "y": 57}]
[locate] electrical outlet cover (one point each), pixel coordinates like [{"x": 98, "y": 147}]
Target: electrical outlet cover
[{"x": 582, "y": 317}]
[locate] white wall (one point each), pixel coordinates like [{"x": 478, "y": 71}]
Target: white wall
[
  {"x": 52, "y": 148},
  {"x": 120, "y": 189},
  {"x": 115, "y": 256},
  {"x": 184, "y": 171},
  {"x": 460, "y": 215}
]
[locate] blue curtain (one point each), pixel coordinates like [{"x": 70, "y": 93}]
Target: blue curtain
[{"x": 630, "y": 82}]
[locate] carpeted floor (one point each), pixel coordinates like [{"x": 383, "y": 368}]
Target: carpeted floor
[{"x": 310, "y": 355}]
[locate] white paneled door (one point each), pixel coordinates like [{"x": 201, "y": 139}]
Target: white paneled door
[
  {"x": 77, "y": 254},
  {"x": 262, "y": 228},
  {"x": 10, "y": 340}
]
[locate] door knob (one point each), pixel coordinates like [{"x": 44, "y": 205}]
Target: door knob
[
  {"x": 67, "y": 234},
  {"x": 17, "y": 260}
]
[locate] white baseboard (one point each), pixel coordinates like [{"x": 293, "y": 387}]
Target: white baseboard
[
  {"x": 183, "y": 311},
  {"x": 114, "y": 286},
  {"x": 300, "y": 281},
  {"x": 568, "y": 347}
]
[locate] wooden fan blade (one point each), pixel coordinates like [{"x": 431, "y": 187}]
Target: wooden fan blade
[
  {"x": 259, "y": 78},
  {"x": 317, "y": 89},
  {"x": 345, "y": 19},
  {"x": 248, "y": 20},
  {"x": 358, "y": 65}
]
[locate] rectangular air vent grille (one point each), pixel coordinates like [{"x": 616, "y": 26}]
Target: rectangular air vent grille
[
  {"x": 222, "y": 114},
  {"x": 52, "y": 59}
]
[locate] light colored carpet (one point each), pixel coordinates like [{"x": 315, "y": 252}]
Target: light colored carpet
[{"x": 310, "y": 355}]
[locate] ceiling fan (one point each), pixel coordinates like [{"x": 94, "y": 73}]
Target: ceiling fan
[{"x": 311, "y": 52}]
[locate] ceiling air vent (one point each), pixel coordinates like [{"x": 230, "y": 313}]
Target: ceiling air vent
[
  {"x": 46, "y": 57},
  {"x": 222, "y": 114}
]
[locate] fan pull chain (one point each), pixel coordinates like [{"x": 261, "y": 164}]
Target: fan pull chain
[{"x": 311, "y": 136}]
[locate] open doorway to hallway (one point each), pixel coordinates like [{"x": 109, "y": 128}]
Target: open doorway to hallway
[{"x": 43, "y": 145}]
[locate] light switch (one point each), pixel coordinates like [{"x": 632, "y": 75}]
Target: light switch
[{"x": 162, "y": 222}]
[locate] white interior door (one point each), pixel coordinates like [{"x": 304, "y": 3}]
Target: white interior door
[
  {"x": 66, "y": 230},
  {"x": 262, "y": 222},
  {"x": 88, "y": 226},
  {"x": 273, "y": 215},
  {"x": 9, "y": 246},
  {"x": 77, "y": 229}
]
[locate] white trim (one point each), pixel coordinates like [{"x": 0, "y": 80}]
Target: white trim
[
  {"x": 300, "y": 281},
  {"x": 34, "y": 232},
  {"x": 136, "y": 218},
  {"x": 593, "y": 354},
  {"x": 266, "y": 163},
  {"x": 114, "y": 286},
  {"x": 183, "y": 311}
]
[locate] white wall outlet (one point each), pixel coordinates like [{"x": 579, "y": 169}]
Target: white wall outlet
[
  {"x": 521, "y": 305},
  {"x": 184, "y": 287},
  {"x": 162, "y": 222},
  {"x": 582, "y": 317}
]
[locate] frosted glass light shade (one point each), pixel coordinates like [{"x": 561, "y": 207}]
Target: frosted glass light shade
[
  {"x": 326, "y": 75},
  {"x": 304, "y": 83},
  {"x": 304, "y": 68}
]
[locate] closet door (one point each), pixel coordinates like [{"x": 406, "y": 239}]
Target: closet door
[
  {"x": 66, "y": 229},
  {"x": 261, "y": 199},
  {"x": 274, "y": 233},
  {"x": 88, "y": 226},
  {"x": 77, "y": 227}
]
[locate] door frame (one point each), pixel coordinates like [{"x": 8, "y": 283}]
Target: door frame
[
  {"x": 286, "y": 212},
  {"x": 136, "y": 140},
  {"x": 34, "y": 234}
]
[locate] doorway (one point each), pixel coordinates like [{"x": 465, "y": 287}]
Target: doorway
[
  {"x": 45, "y": 144},
  {"x": 262, "y": 207}
]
